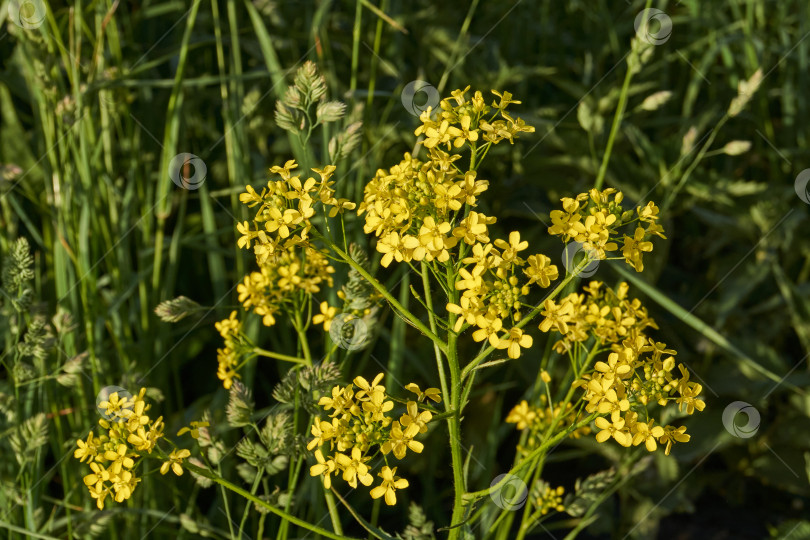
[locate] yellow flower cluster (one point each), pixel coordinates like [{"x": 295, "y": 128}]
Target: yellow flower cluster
[
  {"x": 539, "y": 419},
  {"x": 279, "y": 235},
  {"x": 283, "y": 210},
  {"x": 421, "y": 211},
  {"x": 130, "y": 433},
  {"x": 228, "y": 356},
  {"x": 268, "y": 291},
  {"x": 608, "y": 315},
  {"x": 494, "y": 284},
  {"x": 359, "y": 427},
  {"x": 630, "y": 381},
  {"x": 411, "y": 206},
  {"x": 460, "y": 121},
  {"x": 549, "y": 499},
  {"x": 638, "y": 372},
  {"x": 594, "y": 218}
]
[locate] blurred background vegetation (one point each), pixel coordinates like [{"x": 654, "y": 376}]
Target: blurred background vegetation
[{"x": 97, "y": 101}]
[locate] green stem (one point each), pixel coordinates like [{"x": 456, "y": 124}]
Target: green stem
[
  {"x": 253, "y": 489},
  {"x": 614, "y": 128},
  {"x": 333, "y": 514},
  {"x": 302, "y": 337},
  {"x": 380, "y": 288},
  {"x": 473, "y": 495},
  {"x": 432, "y": 322},
  {"x": 252, "y": 498},
  {"x": 270, "y": 354},
  {"x": 454, "y": 421}
]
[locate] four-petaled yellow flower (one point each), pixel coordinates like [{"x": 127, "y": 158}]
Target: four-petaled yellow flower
[
  {"x": 175, "y": 461},
  {"x": 390, "y": 483}
]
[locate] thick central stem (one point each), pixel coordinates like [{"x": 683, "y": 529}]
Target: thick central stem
[
  {"x": 454, "y": 420},
  {"x": 454, "y": 424}
]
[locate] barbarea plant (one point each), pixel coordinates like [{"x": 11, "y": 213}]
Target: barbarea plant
[{"x": 602, "y": 374}]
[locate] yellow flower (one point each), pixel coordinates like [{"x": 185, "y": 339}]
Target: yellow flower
[
  {"x": 98, "y": 476},
  {"x": 648, "y": 213},
  {"x": 647, "y": 433},
  {"x": 124, "y": 485},
  {"x": 229, "y": 326},
  {"x": 377, "y": 405},
  {"x": 400, "y": 441},
  {"x": 556, "y": 316},
  {"x": 488, "y": 328},
  {"x": 510, "y": 250},
  {"x": 86, "y": 450},
  {"x": 391, "y": 247},
  {"x": 540, "y": 270},
  {"x": 615, "y": 430},
  {"x": 143, "y": 440},
  {"x": 99, "y": 492},
  {"x": 613, "y": 404},
  {"x": 513, "y": 341},
  {"x": 432, "y": 393},
  {"x": 366, "y": 388},
  {"x": 390, "y": 483},
  {"x": 472, "y": 229},
  {"x": 672, "y": 435},
  {"x": 116, "y": 407},
  {"x": 413, "y": 416},
  {"x": 634, "y": 247},
  {"x": 324, "y": 467},
  {"x": 194, "y": 429},
  {"x": 175, "y": 461},
  {"x": 354, "y": 468},
  {"x": 326, "y": 316},
  {"x": 322, "y": 431},
  {"x": 522, "y": 415},
  {"x": 443, "y": 134},
  {"x": 506, "y": 100},
  {"x": 119, "y": 459}
]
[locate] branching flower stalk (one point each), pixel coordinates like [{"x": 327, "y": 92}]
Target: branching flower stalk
[{"x": 422, "y": 211}]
